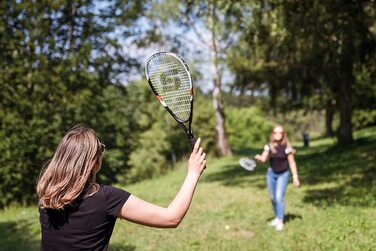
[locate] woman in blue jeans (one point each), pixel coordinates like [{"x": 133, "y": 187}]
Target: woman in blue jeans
[{"x": 281, "y": 156}]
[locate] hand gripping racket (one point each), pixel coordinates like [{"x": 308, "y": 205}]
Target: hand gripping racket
[
  {"x": 248, "y": 164},
  {"x": 169, "y": 78}
]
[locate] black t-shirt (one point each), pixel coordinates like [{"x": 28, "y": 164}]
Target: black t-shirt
[
  {"x": 278, "y": 160},
  {"x": 87, "y": 225}
]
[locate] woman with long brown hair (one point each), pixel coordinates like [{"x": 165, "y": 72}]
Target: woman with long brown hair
[
  {"x": 77, "y": 213},
  {"x": 281, "y": 156}
]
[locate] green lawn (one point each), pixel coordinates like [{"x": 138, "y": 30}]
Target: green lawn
[{"x": 335, "y": 209}]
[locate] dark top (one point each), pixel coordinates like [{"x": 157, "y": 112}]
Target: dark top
[
  {"x": 86, "y": 225},
  {"x": 278, "y": 160}
]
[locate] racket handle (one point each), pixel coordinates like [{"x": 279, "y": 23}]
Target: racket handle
[{"x": 192, "y": 142}]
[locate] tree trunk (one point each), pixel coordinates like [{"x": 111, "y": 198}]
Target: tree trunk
[
  {"x": 329, "y": 115},
  {"x": 345, "y": 111},
  {"x": 223, "y": 146},
  {"x": 344, "y": 99}
]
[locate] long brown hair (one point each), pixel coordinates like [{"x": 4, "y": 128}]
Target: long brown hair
[
  {"x": 73, "y": 167},
  {"x": 284, "y": 141}
]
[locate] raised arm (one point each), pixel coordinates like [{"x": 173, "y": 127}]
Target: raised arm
[{"x": 142, "y": 212}]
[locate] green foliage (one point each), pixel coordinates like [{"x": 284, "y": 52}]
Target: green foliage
[
  {"x": 307, "y": 54},
  {"x": 204, "y": 121},
  {"x": 364, "y": 88},
  {"x": 364, "y": 118},
  {"x": 24, "y": 148},
  {"x": 158, "y": 142},
  {"x": 247, "y": 127},
  {"x": 58, "y": 62},
  {"x": 149, "y": 159},
  {"x": 148, "y": 142}
]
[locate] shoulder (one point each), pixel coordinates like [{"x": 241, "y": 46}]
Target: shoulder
[
  {"x": 289, "y": 150},
  {"x": 114, "y": 198},
  {"x": 266, "y": 147},
  {"x": 109, "y": 191}
]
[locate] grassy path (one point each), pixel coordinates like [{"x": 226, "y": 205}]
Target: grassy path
[{"x": 335, "y": 209}]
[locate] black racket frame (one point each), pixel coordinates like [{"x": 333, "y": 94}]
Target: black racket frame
[{"x": 188, "y": 130}]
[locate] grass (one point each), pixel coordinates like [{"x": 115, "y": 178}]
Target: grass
[{"x": 333, "y": 210}]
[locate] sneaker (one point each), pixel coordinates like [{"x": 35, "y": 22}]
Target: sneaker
[
  {"x": 279, "y": 226},
  {"x": 273, "y": 223}
]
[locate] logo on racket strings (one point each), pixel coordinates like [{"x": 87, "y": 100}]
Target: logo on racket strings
[{"x": 170, "y": 80}]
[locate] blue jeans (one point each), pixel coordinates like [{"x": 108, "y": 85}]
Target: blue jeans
[{"x": 277, "y": 184}]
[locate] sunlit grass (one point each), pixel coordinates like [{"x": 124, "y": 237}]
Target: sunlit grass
[
  {"x": 19, "y": 229},
  {"x": 333, "y": 210}
]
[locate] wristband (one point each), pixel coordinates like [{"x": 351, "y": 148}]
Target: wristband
[{"x": 295, "y": 177}]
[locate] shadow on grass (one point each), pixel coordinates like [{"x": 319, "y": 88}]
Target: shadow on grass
[
  {"x": 327, "y": 164},
  {"x": 341, "y": 175},
  {"x": 288, "y": 217},
  {"x": 17, "y": 236},
  {"x": 121, "y": 247},
  {"x": 291, "y": 217}
]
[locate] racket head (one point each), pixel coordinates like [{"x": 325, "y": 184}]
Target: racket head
[
  {"x": 247, "y": 163},
  {"x": 169, "y": 78}
]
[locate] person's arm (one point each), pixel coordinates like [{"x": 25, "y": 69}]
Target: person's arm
[
  {"x": 142, "y": 212},
  {"x": 263, "y": 157},
  {"x": 294, "y": 169}
]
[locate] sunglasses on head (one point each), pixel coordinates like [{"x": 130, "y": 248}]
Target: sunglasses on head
[
  {"x": 103, "y": 147},
  {"x": 278, "y": 132}
]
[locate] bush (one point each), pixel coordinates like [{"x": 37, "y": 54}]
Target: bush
[
  {"x": 363, "y": 118},
  {"x": 247, "y": 127}
]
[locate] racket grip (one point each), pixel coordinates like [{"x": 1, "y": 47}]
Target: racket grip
[{"x": 192, "y": 142}]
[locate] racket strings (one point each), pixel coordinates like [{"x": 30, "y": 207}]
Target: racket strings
[
  {"x": 172, "y": 82},
  {"x": 248, "y": 164}
]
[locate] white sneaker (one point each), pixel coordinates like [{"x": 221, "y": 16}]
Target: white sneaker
[
  {"x": 273, "y": 223},
  {"x": 279, "y": 226}
]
